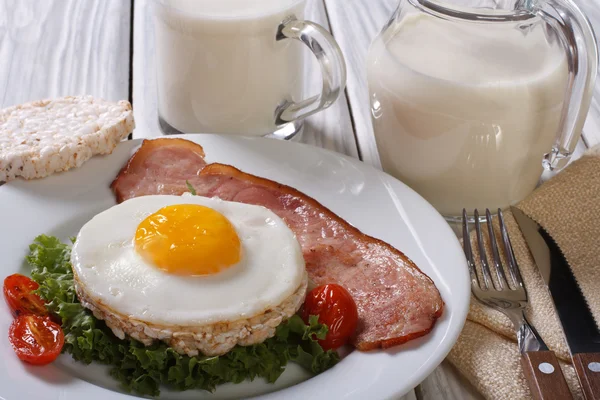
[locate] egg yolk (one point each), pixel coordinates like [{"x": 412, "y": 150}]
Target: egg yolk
[{"x": 188, "y": 239}]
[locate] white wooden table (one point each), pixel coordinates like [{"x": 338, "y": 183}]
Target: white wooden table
[{"x": 105, "y": 48}]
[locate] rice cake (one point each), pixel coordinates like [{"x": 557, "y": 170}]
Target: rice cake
[{"x": 47, "y": 136}]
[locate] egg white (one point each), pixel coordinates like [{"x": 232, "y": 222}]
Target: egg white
[{"x": 110, "y": 271}]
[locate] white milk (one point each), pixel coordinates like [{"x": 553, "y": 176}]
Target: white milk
[
  {"x": 464, "y": 113},
  {"x": 219, "y": 67}
]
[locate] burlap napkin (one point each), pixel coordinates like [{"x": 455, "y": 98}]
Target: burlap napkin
[{"x": 568, "y": 207}]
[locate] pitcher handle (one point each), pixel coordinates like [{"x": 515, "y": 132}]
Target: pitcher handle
[
  {"x": 333, "y": 68},
  {"x": 582, "y": 51}
]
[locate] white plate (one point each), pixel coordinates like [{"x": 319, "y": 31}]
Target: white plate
[{"x": 374, "y": 202}]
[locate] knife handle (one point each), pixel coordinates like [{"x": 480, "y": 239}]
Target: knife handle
[
  {"x": 544, "y": 376},
  {"x": 587, "y": 367}
]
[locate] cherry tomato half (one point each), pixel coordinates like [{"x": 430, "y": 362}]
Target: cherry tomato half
[
  {"x": 19, "y": 297},
  {"x": 36, "y": 340},
  {"x": 336, "y": 309}
]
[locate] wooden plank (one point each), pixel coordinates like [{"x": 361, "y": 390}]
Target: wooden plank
[
  {"x": 63, "y": 47},
  {"x": 591, "y": 130},
  {"x": 144, "y": 91},
  {"x": 331, "y": 129},
  {"x": 355, "y": 23},
  {"x": 412, "y": 395},
  {"x": 447, "y": 383}
]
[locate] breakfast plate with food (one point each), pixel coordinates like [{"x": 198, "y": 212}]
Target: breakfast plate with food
[{"x": 207, "y": 266}]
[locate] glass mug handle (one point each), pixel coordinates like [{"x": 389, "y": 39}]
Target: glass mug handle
[
  {"x": 331, "y": 60},
  {"x": 582, "y": 52}
]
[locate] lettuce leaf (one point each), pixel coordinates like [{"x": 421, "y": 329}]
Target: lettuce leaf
[{"x": 142, "y": 369}]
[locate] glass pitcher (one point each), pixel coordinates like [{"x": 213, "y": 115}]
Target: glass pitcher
[{"x": 471, "y": 101}]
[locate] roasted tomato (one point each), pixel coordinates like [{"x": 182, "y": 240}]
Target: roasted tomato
[
  {"x": 36, "y": 339},
  {"x": 336, "y": 309},
  {"x": 19, "y": 297}
]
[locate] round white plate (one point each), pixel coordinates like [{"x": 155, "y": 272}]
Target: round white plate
[{"x": 376, "y": 203}]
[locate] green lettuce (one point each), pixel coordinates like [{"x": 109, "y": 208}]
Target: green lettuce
[{"x": 142, "y": 369}]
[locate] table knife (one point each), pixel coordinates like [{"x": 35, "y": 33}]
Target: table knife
[{"x": 580, "y": 329}]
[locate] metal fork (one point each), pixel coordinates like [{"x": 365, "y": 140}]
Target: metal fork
[{"x": 540, "y": 365}]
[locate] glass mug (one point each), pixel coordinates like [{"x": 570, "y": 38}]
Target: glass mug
[
  {"x": 228, "y": 66},
  {"x": 470, "y": 101}
]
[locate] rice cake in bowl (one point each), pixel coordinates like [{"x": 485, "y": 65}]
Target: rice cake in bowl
[{"x": 48, "y": 136}]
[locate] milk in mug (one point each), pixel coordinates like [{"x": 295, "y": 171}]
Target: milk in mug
[
  {"x": 464, "y": 114},
  {"x": 220, "y": 68}
]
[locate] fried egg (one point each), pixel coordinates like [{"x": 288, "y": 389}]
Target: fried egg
[{"x": 185, "y": 261}]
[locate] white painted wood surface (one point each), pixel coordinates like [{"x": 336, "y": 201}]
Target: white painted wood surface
[
  {"x": 331, "y": 129},
  {"x": 355, "y": 23},
  {"x": 446, "y": 383},
  {"x": 591, "y": 130},
  {"x": 63, "y": 47}
]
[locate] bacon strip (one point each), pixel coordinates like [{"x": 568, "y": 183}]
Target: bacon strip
[{"x": 396, "y": 301}]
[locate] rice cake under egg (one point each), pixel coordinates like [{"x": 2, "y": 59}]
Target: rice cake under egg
[{"x": 208, "y": 314}]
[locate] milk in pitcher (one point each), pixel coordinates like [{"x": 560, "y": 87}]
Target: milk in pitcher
[{"x": 463, "y": 113}]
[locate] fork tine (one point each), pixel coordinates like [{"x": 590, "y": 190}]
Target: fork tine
[
  {"x": 485, "y": 268},
  {"x": 469, "y": 251},
  {"x": 513, "y": 267},
  {"x": 502, "y": 283}
]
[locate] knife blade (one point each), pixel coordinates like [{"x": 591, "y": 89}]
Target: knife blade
[{"x": 579, "y": 327}]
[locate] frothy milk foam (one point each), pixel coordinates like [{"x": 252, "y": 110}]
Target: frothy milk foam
[
  {"x": 464, "y": 114},
  {"x": 221, "y": 69}
]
